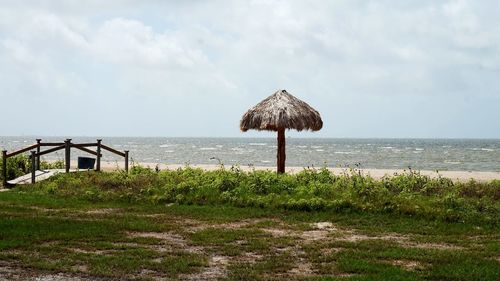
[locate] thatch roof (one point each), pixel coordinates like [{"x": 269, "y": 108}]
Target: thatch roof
[{"x": 281, "y": 110}]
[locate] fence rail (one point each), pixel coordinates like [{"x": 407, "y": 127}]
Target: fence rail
[{"x": 66, "y": 145}]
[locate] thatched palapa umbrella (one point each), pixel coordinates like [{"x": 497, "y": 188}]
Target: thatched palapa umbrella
[{"x": 278, "y": 112}]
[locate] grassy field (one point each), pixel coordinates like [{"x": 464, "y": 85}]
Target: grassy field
[{"x": 114, "y": 226}]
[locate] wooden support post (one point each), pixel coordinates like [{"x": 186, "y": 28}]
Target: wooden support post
[
  {"x": 98, "y": 164},
  {"x": 33, "y": 166},
  {"x": 281, "y": 151},
  {"x": 4, "y": 168},
  {"x": 67, "y": 157},
  {"x": 126, "y": 161},
  {"x": 38, "y": 141}
]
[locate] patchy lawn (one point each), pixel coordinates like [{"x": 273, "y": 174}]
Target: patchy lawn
[{"x": 48, "y": 238}]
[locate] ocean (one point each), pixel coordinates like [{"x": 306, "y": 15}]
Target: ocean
[{"x": 419, "y": 154}]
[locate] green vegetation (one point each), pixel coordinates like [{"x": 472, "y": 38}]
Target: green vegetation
[
  {"x": 190, "y": 224},
  {"x": 409, "y": 194},
  {"x": 21, "y": 164}
]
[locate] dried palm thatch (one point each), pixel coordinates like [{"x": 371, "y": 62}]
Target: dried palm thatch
[
  {"x": 278, "y": 112},
  {"x": 281, "y": 110}
]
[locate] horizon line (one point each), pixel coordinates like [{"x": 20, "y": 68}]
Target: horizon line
[{"x": 252, "y": 137}]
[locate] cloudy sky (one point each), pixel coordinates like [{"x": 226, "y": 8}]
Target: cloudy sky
[{"x": 192, "y": 68}]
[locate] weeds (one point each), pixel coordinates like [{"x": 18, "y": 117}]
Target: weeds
[
  {"x": 21, "y": 164},
  {"x": 409, "y": 194}
]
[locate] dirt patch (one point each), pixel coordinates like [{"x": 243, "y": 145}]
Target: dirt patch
[
  {"x": 324, "y": 225},
  {"x": 244, "y": 223},
  {"x": 352, "y": 236},
  {"x": 302, "y": 267},
  {"x": 10, "y": 273},
  {"x": 435, "y": 246},
  {"x": 321, "y": 231},
  {"x": 172, "y": 239},
  {"x": 329, "y": 251},
  {"x": 151, "y": 274},
  {"x": 104, "y": 211},
  {"x": 215, "y": 270},
  {"x": 249, "y": 257},
  {"x": 314, "y": 235},
  {"x": 193, "y": 226},
  {"x": 151, "y": 215},
  {"x": 85, "y": 251},
  {"x": 46, "y": 210},
  {"x": 407, "y": 264},
  {"x": 80, "y": 268},
  {"x": 278, "y": 232},
  {"x": 404, "y": 241}
]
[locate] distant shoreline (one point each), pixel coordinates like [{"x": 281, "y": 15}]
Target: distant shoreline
[{"x": 461, "y": 176}]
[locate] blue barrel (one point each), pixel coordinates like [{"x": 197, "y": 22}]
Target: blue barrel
[{"x": 86, "y": 163}]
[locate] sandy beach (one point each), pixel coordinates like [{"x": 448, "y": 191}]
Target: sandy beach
[{"x": 375, "y": 173}]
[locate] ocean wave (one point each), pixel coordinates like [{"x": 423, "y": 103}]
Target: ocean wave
[
  {"x": 168, "y": 145},
  {"x": 258, "y": 143},
  {"x": 208, "y": 148}
]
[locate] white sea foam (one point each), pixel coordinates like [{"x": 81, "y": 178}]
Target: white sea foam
[
  {"x": 168, "y": 145},
  {"x": 208, "y": 148},
  {"x": 258, "y": 143},
  {"x": 345, "y": 152}
]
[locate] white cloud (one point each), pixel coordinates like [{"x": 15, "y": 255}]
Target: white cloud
[{"x": 223, "y": 56}]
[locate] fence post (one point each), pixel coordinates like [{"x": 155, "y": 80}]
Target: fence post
[
  {"x": 33, "y": 166},
  {"x": 68, "y": 154},
  {"x": 98, "y": 164},
  {"x": 126, "y": 161},
  {"x": 37, "y": 152},
  {"x": 4, "y": 168}
]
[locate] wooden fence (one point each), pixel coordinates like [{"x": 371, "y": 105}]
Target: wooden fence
[{"x": 36, "y": 152}]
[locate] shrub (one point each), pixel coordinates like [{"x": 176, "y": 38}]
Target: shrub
[{"x": 409, "y": 194}]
